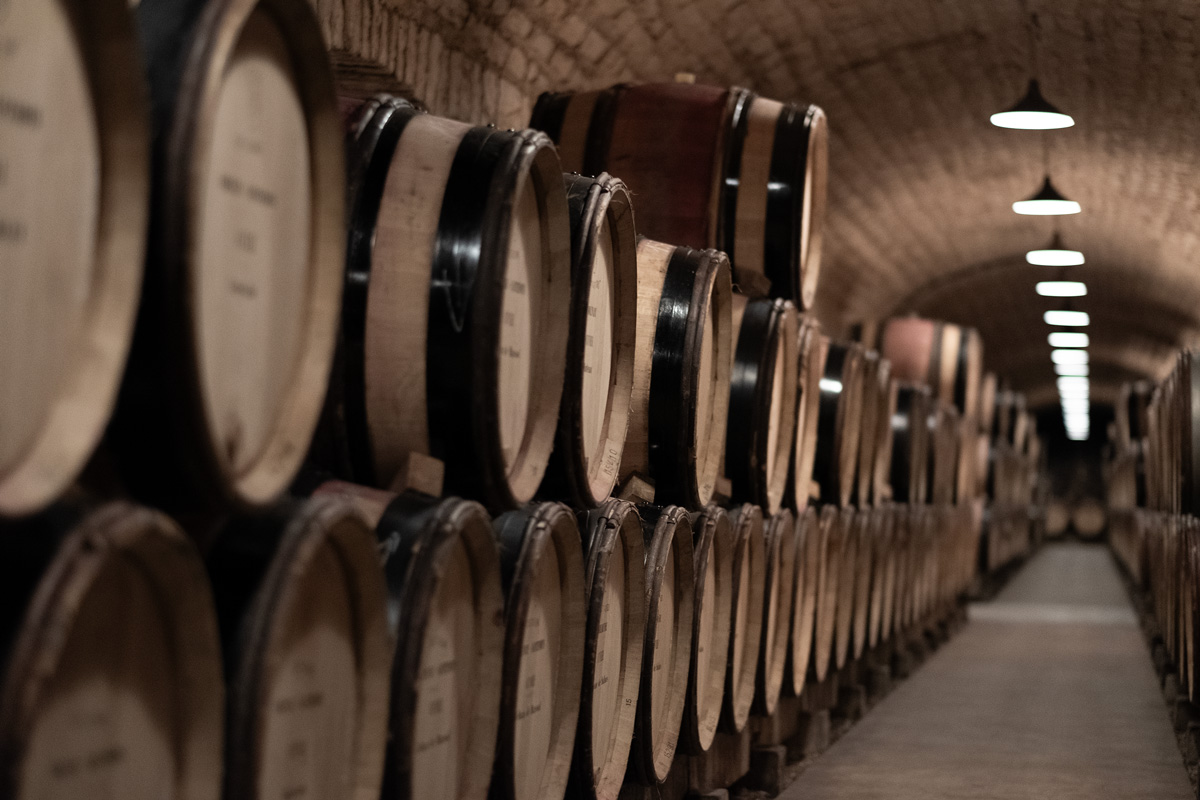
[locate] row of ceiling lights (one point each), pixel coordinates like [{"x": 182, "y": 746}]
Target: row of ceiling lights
[{"x": 1070, "y": 355}]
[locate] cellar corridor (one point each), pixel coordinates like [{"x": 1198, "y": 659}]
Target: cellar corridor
[{"x": 1048, "y": 694}]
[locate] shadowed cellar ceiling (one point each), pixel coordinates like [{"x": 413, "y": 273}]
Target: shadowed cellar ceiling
[{"x": 921, "y": 184}]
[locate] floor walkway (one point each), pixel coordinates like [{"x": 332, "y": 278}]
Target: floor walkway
[{"x": 1048, "y": 694}]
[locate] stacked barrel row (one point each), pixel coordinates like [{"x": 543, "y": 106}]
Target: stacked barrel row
[
  {"x": 1154, "y": 501},
  {"x": 462, "y": 365}
]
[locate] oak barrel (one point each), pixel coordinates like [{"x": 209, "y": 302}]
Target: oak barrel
[
  {"x": 457, "y": 303},
  {"x": 745, "y": 632},
  {"x": 666, "y": 654},
  {"x": 594, "y": 416},
  {"x": 947, "y": 357},
  {"x": 711, "y": 167},
  {"x": 302, "y": 605},
  {"x": 541, "y": 562},
  {"x": 616, "y": 620},
  {"x": 111, "y": 670},
  {"x": 850, "y": 523},
  {"x": 864, "y": 576},
  {"x": 762, "y": 400},
  {"x": 681, "y": 372},
  {"x": 779, "y": 596},
  {"x": 944, "y": 423},
  {"x": 882, "y": 491},
  {"x": 839, "y": 423},
  {"x": 713, "y": 548},
  {"x": 909, "y": 468},
  {"x": 1089, "y": 518},
  {"x": 446, "y": 612},
  {"x": 883, "y": 574},
  {"x": 810, "y": 546},
  {"x": 74, "y": 189},
  {"x": 238, "y": 320},
  {"x": 833, "y": 536},
  {"x": 868, "y": 440},
  {"x": 813, "y": 352}
]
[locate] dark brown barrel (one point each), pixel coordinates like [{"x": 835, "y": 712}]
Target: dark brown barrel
[
  {"x": 851, "y": 523},
  {"x": 711, "y": 168},
  {"x": 810, "y": 546},
  {"x": 74, "y": 200},
  {"x": 883, "y": 574},
  {"x": 778, "y": 594},
  {"x": 457, "y": 302},
  {"x": 239, "y": 315},
  {"x": 446, "y": 609},
  {"x": 910, "y": 444},
  {"x": 813, "y": 352},
  {"x": 594, "y": 416},
  {"x": 949, "y": 358},
  {"x": 762, "y": 400},
  {"x": 111, "y": 670},
  {"x": 541, "y": 563},
  {"x": 681, "y": 372},
  {"x": 303, "y": 610},
  {"x": 745, "y": 634},
  {"x": 881, "y": 491},
  {"x": 614, "y": 574},
  {"x": 712, "y": 537},
  {"x": 840, "y": 423},
  {"x": 666, "y": 654},
  {"x": 833, "y": 537}
]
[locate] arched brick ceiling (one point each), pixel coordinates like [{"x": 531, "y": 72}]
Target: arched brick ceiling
[{"x": 921, "y": 184}]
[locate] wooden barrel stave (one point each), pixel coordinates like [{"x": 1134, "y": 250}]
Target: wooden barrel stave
[
  {"x": 84, "y": 589},
  {"x": 779, "y": 593},
  {"x": 840, "y": 423},
  {"x": 851, "y": 525},
  {"x": 74, "y": 204},
  {"x": 302, "y": 604},
  {"x": 810, "y": 546},
  {"x": 613, "y": 648},
  {"x": 745, "y": 635},
  {"x": 813, "y": 352},
  {"x": 864, "y": 574},
  {"x": 541, "y": 563},
  {"x": 832, "y": 539}
]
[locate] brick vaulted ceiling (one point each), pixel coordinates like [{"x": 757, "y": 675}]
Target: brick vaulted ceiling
[{"x": 921, "y": 184}]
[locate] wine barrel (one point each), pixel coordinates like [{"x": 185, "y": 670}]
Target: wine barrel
[
  {"x": 839, "y": 423},
  {"x": 457, "y": 302},
  {"x": 238, "y": 320},
  {"x": 810, "y": 545},
  {"x": 949, "y": 358},
  {"x": 712, "y": 537},
  {"x": 711, "y": 168},
  {"x": 943, "y": 453},
  {"x": 813, "y": 352},
  {"x": 111, "y": 667},
  {"x": 749, "y": 571},
  {"x": 594, "y": 415},
  {"x": 302, "y": 606},
  {"x": 541, "y": 563},
  {"x": 832, "y": 538},
  {"x": 911, "y": 444},
  {"x": 681, "y": 372},
  {"x": 884, "y": 583},
  {"x": 74, "y": 196},
  {"x": 762, "y": 400},
  {"x": 864, "y": 577},
  {"x": 666, "y": 654},
  {"x": 446, "y": 612},
  {"x": 851, "y": 523},
  {"x": 888, "y": 393},
  {"x": 868, "y": 440},
  {"x": 987, "y": 404},
  {"x": 616, "y": 621},
  {"x": 1089, "y": 518},
  {"x": 1058, "y": 518},
  {"x": 778, "y": 598}
]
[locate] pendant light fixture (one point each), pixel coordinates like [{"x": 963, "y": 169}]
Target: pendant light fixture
[
  {"x": 1033, "y": 112},
  {"x": 1046, "y": 202},
  {"x": 1055, "y": 255}
]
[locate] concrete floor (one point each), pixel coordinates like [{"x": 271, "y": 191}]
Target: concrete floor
[{"x": 1048, "y": 694}]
